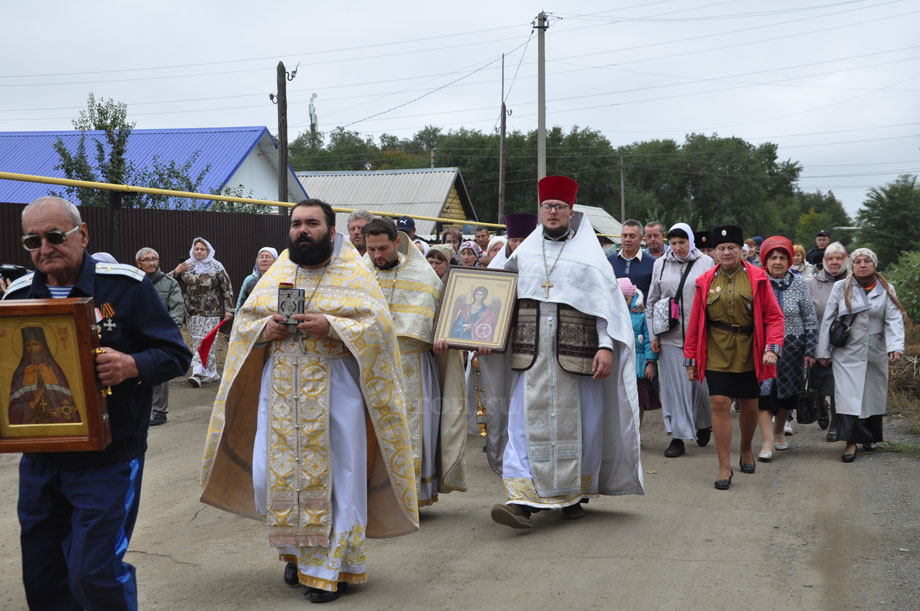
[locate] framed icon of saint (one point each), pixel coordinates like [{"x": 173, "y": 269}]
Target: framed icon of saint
[
  {"x": 50, "y": 397},
  {"x": 476, "y": 308}
]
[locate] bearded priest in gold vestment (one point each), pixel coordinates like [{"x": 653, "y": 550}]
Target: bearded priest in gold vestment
[
  {"x": 434, "y": 387},
  {"x": 309, "y": 430}
]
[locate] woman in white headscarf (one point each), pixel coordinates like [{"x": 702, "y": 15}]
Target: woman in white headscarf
[
  {"x": 265, "y": 258},
  {"x": 684, "y": 403},
  {"x": 208, "y": 299},
  {"x": 869, "y": 306}
]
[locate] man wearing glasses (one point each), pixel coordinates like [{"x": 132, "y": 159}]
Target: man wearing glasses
[
  {"x": 570, "y": 429},
  {"x": 148, "y": 260},
  {"x": 77, "y": 509}
]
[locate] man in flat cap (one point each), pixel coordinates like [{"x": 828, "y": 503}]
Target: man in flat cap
[
  {"x": 564, "y": 426},
  {"x": 815, "y": 256}
]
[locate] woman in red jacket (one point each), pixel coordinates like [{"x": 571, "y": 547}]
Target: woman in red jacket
[{"x": 733, "y": 340}]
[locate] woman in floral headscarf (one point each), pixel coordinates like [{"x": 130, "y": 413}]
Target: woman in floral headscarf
[
  {"x": 208, "y": 299},
  {"x": 869, "y": 306},
  {"x": 469, "y": 253}
]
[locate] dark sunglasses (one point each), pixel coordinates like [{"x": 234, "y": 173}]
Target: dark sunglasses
[{"x": 55, "y": 237}]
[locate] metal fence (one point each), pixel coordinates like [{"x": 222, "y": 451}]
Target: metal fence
[{"x": 236, "y": 237}]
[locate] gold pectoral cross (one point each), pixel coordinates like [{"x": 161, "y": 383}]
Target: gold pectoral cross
[{"x": 546, "y": 287}]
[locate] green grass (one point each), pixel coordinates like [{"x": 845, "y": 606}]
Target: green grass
[{"x": 896, "y": 447}]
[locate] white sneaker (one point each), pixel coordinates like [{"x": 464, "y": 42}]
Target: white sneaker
[
  {"x": 194, "y": 381},
  {"x": 788, "y": 428}
]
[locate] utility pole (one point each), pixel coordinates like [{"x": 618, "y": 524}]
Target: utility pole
[
  {"x": 432, "y": 157},
  {"x": 501, "y": 154},
  {"x": 622, "y": 191},
  {"x": 541, "y": 94},
  {"x": 281, "y": 101}
]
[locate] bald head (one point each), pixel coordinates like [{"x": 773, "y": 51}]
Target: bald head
[{"x": 50, "y": 200}]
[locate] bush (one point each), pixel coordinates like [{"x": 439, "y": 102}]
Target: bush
[{"x": 905, "y": 276}]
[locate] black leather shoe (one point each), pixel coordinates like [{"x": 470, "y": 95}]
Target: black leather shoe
[
  {"x": 747, "y": 467},
  {"x": 832, "y": 435},
  {"x": 725, "y": 484},
  {"x": 849, "y": 457},
  {"x": 675, "y": 449},
  {"x": 869, "y": 447},
  {"x": 290, "y": 574},
  {"x": 703, "y": 436},
  {"x": 316, "y": 595},
  {"x": 157, "y": 419}
]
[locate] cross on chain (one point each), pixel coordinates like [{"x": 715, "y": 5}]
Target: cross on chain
[{"x": 547, "y": 286}]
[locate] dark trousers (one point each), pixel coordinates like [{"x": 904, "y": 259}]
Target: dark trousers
[{"x": 75, "y": 531}]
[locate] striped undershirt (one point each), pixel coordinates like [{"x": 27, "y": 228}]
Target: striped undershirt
[{"x": 59, "y": 292}]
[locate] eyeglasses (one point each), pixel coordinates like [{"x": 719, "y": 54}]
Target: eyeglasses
[
  {"x": 55, "y": 237},
  {"x": 149, "y": 259},
  {"x": 556, "y": 207}
]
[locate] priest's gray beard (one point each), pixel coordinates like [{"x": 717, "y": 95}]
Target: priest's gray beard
[{"x": 556, "y": 232}]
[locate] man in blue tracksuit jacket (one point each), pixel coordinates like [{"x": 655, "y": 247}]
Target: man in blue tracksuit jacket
[{"x": 77, "y": 509}]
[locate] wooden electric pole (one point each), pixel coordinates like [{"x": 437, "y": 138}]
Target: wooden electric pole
[
  {"x": 622, "y": 191},
  {"x": 281, "y": 101}
]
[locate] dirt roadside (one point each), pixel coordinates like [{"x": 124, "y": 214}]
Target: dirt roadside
[{"x": 804, "y": 531}]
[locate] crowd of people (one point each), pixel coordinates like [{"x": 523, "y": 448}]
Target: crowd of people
[{"x": 336, "y": 420}]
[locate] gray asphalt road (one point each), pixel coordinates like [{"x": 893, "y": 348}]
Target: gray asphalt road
[{"x": 805, "y": 531}]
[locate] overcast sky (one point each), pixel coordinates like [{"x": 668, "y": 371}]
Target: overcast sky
[{"x": 835, "y": 84}]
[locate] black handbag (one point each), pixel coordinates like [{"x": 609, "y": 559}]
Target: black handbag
[
  {"x": 806, "y": 411},
  {"x": 839, "y": 333}
]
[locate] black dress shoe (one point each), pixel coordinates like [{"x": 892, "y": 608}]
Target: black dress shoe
[
  {"x": 747, "y": 467},
  {"x": 725, "y": 484},
  {"x": 290, "y": 574},
  {"x": 832, "y": 435},
  {"x": 849, "y": 457},
  {"x": 703, "y": 436},
  {"x": 869, "y": 447},
  {"x": 157, "y": 419},
  {"x": 675, "y": 449},
  {"x": 316, "y": 595}
]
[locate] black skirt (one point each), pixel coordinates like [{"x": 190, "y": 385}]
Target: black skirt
[
  {"x": 771, "y": 403},
  {"x": 854, "y": 429},
  {"x": 734, "y": 385}
]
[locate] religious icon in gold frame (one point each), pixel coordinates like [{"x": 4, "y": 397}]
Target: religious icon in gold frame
[
  {"x": 476, "y": 308},
  {"x": 50, "y": 397}
]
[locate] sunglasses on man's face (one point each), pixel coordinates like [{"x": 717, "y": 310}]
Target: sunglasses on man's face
[{"x": 55, "y": 237}]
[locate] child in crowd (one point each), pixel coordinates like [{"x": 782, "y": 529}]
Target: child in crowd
[{"x": 645, "y": 358}]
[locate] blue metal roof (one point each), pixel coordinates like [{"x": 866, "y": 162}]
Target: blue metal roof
[{"x": 225, "y": 148}]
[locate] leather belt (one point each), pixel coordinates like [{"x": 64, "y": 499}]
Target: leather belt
[{"x": 736, "y": 329}]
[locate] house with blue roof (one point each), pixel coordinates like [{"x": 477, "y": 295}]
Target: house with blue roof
[{"x": 243, "y": 160}]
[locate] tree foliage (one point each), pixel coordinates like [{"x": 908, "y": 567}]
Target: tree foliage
[
  {"x": 905, "y": 276},
  {"x": 706, "y": 180},
  {"x": 109, "y": 164},
  {"x": 888, "y": 219}
]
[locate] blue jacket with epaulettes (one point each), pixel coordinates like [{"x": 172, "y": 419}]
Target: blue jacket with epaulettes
[{"x": 134, "y": 322}]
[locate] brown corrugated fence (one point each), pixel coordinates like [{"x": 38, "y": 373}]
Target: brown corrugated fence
[{"x": 236, "y": 237}]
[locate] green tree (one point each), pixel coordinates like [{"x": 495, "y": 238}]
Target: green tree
[
  {"x": 111, "y": 165},
  {"x": 888, "y": 219}
]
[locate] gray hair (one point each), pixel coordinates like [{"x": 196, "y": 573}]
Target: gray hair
[
  {"x": 146, "y": 250},
  {"x": 633, "y": 223},
  {"x": 358, "y": 215},
  {"x": 655, "y": 224},
  {"x": 835, "y": 248},
  {"x": 68, "y": 207}
]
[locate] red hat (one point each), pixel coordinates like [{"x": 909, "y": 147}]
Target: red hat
[
  {"x": 562, "y": 188},
  {"x": 775, "y": 242}
]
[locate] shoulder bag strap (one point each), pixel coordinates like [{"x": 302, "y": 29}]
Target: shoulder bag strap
[{"x": 680, "y": 297}]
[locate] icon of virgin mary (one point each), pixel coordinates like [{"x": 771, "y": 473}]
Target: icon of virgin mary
[{"x": 40, "y": 393}]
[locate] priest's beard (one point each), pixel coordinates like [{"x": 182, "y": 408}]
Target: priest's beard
[
  {"x": 308, "y": 252},
  {"x": 555, "y": 232}
]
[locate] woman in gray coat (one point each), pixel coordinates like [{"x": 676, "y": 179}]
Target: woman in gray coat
[
  {"x": 868, "y": 304},
  {"x": 833, "y": 268},
  {"x": 684, "y": 403}
]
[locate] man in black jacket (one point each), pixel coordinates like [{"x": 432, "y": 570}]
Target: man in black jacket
[
  {"x": 77, "y": 509},
  {"x": 815, "y": 256}
]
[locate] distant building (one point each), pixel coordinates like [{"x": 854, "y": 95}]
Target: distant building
[
  {"x": 435, "y": 192},
  {"x": 242, "y": 159}
]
